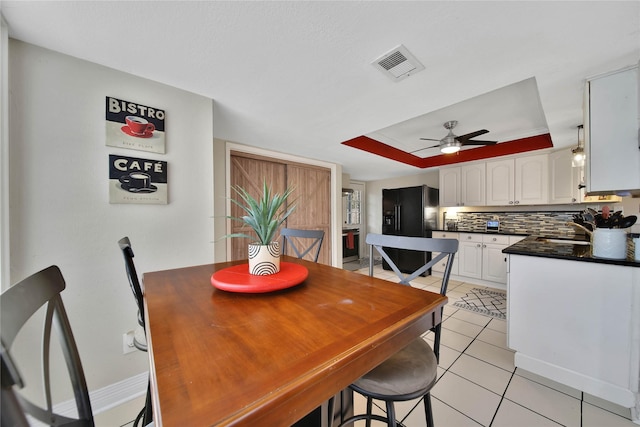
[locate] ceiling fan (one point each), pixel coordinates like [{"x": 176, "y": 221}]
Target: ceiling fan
[{"x": 452, "y": 143}]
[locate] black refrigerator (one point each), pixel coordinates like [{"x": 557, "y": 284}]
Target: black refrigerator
[{"x": 409, "y": 211}]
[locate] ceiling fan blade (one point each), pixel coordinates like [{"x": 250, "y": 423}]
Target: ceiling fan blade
[
  {"x": 425, "y": 148},
  {"x": 471, "y": 135},
  {"x": 429, "y": 139},
  {"x": 478, "y": 142}
]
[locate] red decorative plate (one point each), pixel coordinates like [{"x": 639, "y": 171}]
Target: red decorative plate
[{"x": 238, "y": 279}]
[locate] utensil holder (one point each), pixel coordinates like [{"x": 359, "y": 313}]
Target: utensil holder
[{"x": 609, "y": 243}]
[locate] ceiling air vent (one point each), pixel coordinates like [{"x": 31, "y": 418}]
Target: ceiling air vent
[{"x": 398, "y": 64}]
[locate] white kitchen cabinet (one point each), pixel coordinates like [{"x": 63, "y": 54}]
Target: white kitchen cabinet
[
  {"x": 479, "y": 257},
  {"x": 450, "y": 186},
  {"x": 564, "y": 180},
  {"x": 470, "y": 255},
  {"x": 494, "y": 262},
  {"x": 439, "y": 267},
  {"x": 463, "y": 185},
  {"x": 520, "y": 181},
  {"x": 500, "y": 182},
  {"x": 577, "y": 323},
  {"x": 473, "y": 187},
  {"x": 611, "y": 132}
]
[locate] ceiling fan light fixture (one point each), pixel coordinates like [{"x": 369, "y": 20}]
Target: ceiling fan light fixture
[{"x": 450, "y": 147}]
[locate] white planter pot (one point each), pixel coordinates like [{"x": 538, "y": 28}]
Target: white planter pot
[
  {"x": 264, "y": 259},
  {"x": 610, "y": 243}
]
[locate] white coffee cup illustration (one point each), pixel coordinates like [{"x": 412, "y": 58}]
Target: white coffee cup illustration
[{"x": 136, "y": 181}]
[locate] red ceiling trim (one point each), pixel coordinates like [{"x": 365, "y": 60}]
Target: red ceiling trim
[{"x": 522, "y": 145}]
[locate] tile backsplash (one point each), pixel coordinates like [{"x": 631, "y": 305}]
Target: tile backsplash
[{"x": 542, "y": 223}]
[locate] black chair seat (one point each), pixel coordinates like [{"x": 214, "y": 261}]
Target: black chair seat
[{"x": 411, "y": 372}]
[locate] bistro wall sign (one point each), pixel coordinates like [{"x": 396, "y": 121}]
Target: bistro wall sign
[{"x": 134, "y": 126}]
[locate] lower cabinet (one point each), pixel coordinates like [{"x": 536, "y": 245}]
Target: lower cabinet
[
  {"x": 470, "y": 255},
  {"x": 577, "y": 323},
  {"x": 439, "y": 267},
  {"x": 479, "y": 256},
  {"x": 494, "y": 262}
]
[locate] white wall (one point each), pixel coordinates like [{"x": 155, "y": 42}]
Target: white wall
[
  {"x": 374, "y": 194},
  {"x": 60, "y": 212}
]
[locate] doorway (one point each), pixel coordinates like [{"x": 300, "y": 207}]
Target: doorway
[{"x": 312, "y": 196}]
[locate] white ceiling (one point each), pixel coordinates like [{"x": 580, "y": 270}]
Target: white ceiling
[
  {"x": 296, "y": 76},
  {"x": 509, "y": 113}
]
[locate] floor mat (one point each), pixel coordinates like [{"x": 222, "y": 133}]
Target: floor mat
[{"x": 483, "y": 301}]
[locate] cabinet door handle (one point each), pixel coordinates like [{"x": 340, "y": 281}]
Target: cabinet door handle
[
  {"x": 478, "y": 245},
  {"x": 517, "y": 201},
  {"x": 510, "y": 202},
  {"x": 484, "y": 246}
]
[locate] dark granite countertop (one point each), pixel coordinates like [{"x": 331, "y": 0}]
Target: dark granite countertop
[
  {"x": 540, "y": 246},
  {"x": 504, "y": 233}
]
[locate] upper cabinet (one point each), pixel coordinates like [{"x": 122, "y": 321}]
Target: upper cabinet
[
  {"x": 450, "y": 187},
  {"x": 520, "y": 181},
  {"x": 611, "y": 133},
  {"x": 565, "y": 181},
  {"x": 473, "y": 187},
  {"x": 463, "y": 185}
]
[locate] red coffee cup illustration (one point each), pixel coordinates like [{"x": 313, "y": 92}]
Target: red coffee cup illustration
[{"x": 139, "y": 125}]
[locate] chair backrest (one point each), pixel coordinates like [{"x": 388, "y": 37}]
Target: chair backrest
[
  {"x": 312, "y": 240},
  {"x": 447, "y": 248},
  {"x": 18, "y": 304},
  {"x": 132, "y": 275}
]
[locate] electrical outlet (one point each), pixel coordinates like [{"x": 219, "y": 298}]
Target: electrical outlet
[{"x": 127, "y": 343}]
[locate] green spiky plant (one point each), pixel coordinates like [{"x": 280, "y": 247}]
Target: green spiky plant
[{"x": 264, "y": 215}]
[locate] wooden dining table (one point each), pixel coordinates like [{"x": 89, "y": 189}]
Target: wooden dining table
[{"x": 269, "y": 359}]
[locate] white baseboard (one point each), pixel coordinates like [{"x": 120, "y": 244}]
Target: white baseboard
[{"x": 110, "y": 396}]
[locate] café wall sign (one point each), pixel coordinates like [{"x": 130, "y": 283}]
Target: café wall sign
[
  {"x": 136, "y": 180},
  {"x": 134, "y": 126}
]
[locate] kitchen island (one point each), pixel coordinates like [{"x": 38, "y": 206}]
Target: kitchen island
[{"x": 575, "y": 319}]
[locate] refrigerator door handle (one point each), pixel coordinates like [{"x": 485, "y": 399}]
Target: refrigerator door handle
[
  {"x": 395, "y": 217},
  {"x": 398, "y": 218}
]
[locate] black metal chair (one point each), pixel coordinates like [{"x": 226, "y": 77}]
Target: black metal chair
[
  {"x": 146, "y": 414},
  {"x": 294, "y": 238},
  {"x": 18, "y": 304},
  {"x": 412, "y": 371}
]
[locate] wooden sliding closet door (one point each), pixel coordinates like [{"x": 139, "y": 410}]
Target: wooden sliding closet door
[
  {"x": 313, "y": 199},
  {"x": 312, "y": 195},
  {"x": 250, "y": 174}
]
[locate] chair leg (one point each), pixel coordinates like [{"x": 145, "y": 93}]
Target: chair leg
[
  {"x": 369, "y": 411},
  {"x": 427, "y": 410},
  {"x": 148, "y": 412},
  {"x": 391, "y": 414},
  {"x": 331, "y": 409}
]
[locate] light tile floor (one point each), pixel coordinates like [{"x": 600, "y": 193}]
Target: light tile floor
[{"x": 478, "y": 384}]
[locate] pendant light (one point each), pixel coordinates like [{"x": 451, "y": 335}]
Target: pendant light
[{"x": 577, "y": 160}]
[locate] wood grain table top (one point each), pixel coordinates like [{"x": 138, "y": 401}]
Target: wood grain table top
[{"x": 222, "y": 358}]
